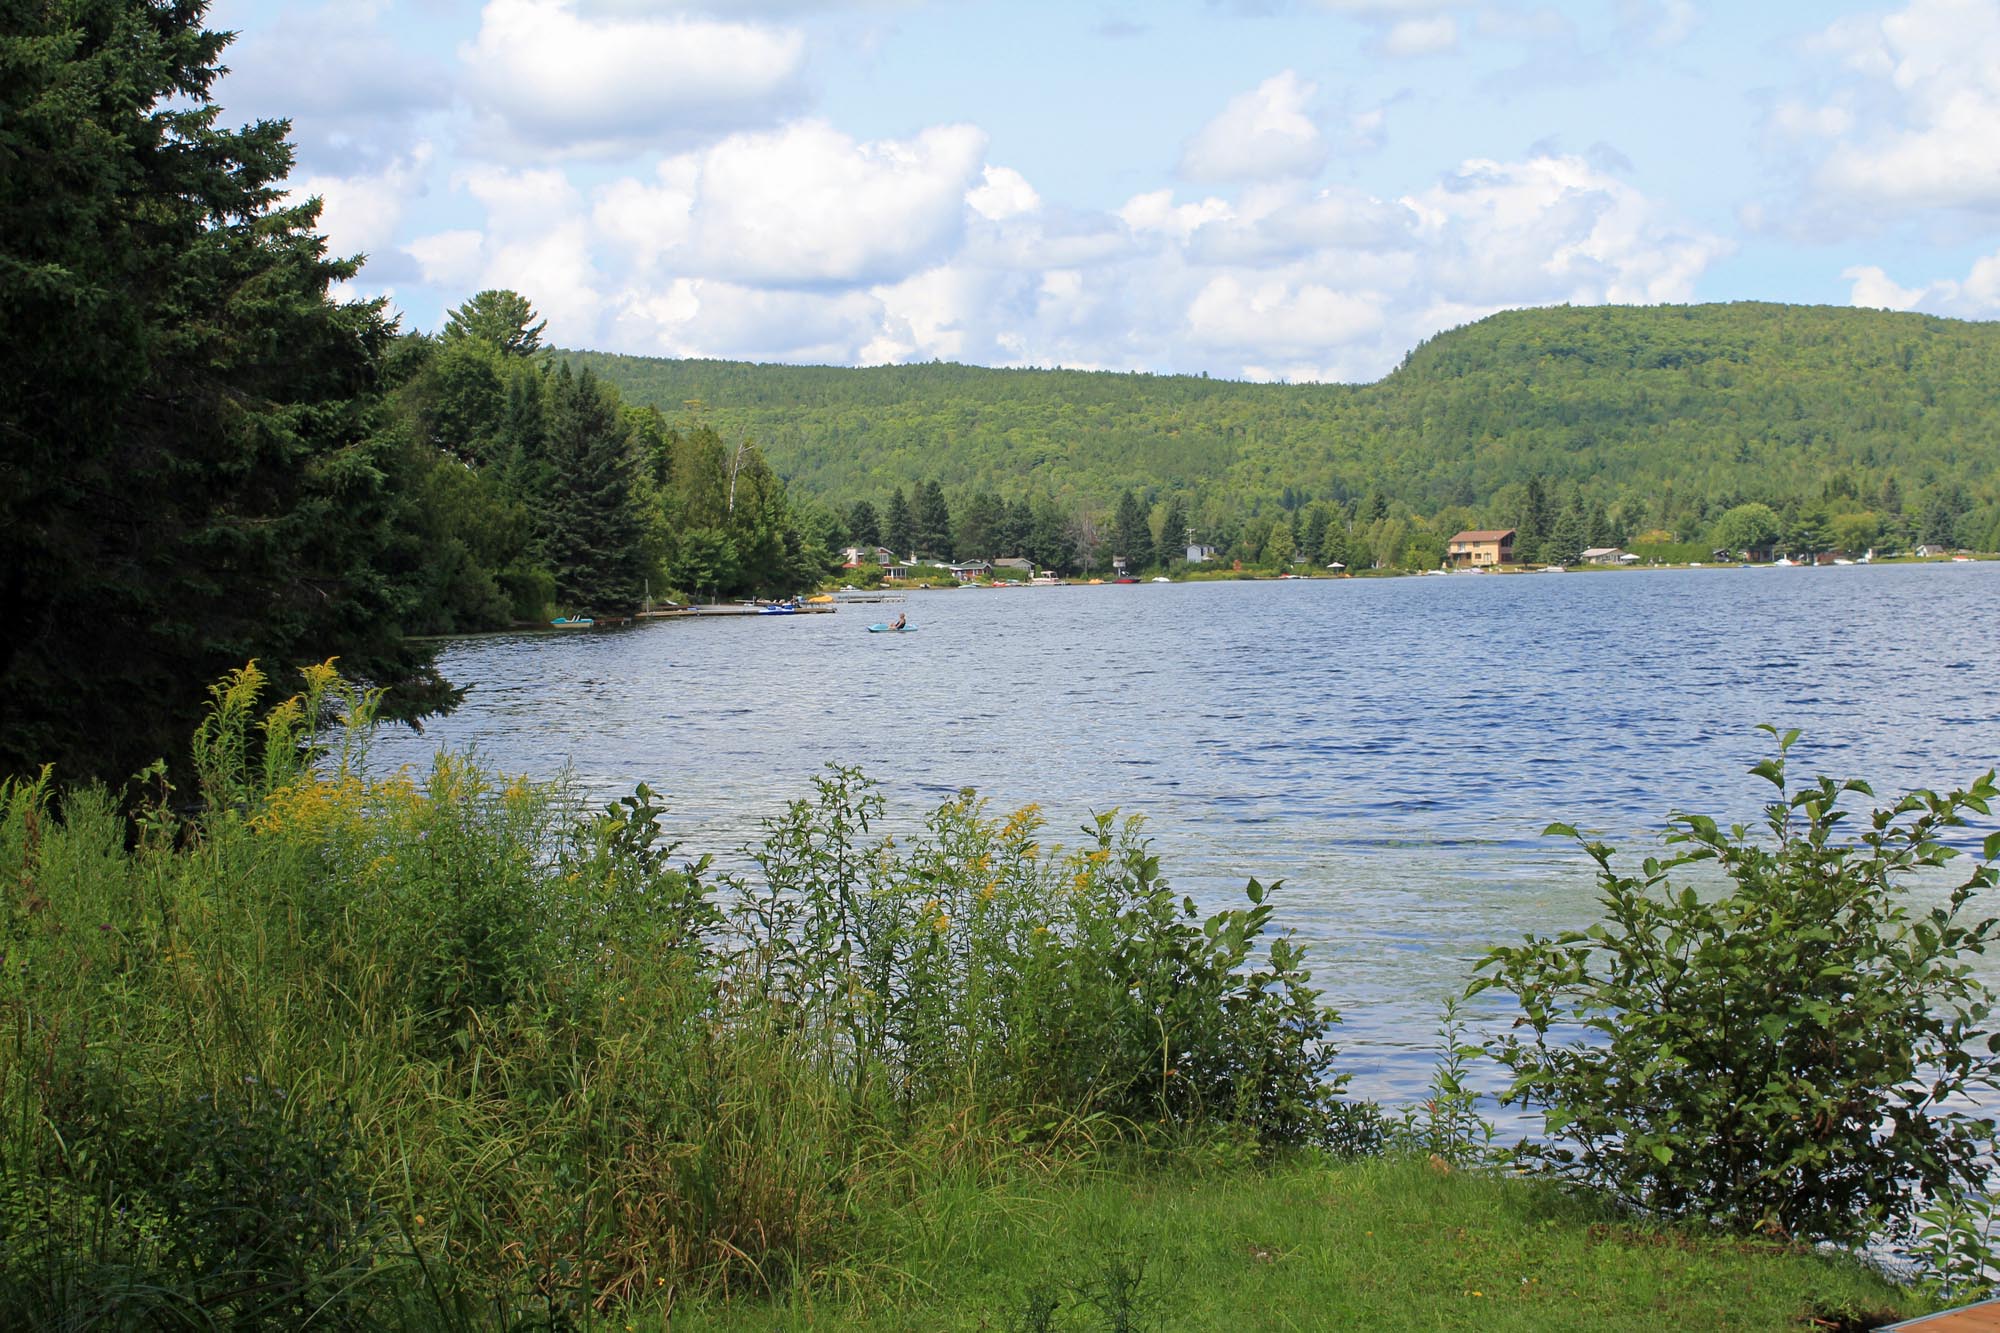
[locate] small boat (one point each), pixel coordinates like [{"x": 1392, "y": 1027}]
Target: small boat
[
  {"x": 572, "y": 622},
  {"x": 1161, "y": 578},
  {"x": 1048, "y": 581},
  {"x": 1125, "y": 578},
  {"x": 892, "y": 629},
  {"x": 778, "y": 609}
]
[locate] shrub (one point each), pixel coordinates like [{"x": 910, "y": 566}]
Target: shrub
[
  {"x": 976, "y": 962},
  {"x": 1793, "y": 1053}
]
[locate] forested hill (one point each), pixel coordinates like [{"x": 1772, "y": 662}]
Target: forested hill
[{"x": 1706, "y": 403}]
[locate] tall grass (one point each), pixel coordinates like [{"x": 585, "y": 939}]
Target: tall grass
[{"x": 435, "y": 1049}]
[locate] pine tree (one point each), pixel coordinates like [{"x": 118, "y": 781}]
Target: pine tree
[
  {"x": 191, "y": 428},
  {"x": 930, "y": 520},
  {"x": 898, "y": 527},
  {"x": 591, "y": 527},
  {"x": 863, "y": 528},
  {"x": 1172, "y": 545},
  {"x": 499, "y": 319},
  {"x": 1131, "y": 535}
]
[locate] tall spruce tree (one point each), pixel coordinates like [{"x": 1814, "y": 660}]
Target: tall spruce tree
[
  {"x": 930, "y": 520},
  {"x": 1131, "y": 534},
  {"x": 591, "y": 528},
  {"x": 192, "y": 472},
  {"x": 898, "y": 532},
  {"x": 1172, "y": 544},
  {"x": 863, "y": 528}
]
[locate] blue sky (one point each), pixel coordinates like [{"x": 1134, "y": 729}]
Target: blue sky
[{"x": 1264, "y": 189}]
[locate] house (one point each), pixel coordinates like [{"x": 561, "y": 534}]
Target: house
[
  {"x": 1482, "y": 546},
  {"x": 1118, "y": 565},
  {"x": 1019, "y": 562},
  {"x": 1607, "y": 555},
  {"x": 853, "y": 557},
  {"x": 1198, "y": 554},
  {"x": 894, "y": 571},
  {"x": 1932, "y": 550},
  {"x": 970, "y": 570}
]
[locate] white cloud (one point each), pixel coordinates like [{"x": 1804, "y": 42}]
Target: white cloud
[
  {"x": 449, "y": 260},
  {"x": 1421, "y": 36},
  {"x": 1929, "y": 76},
  {"x": 360, "y": 213},
  {"x": 1277, "y": 317},
  {"x": 808, "y": 204},
  {"x": 1554, "y": 228},
  {"x": 1156, "y": 211},
  {"x": 1003, "y": 193},
  {"x": 1267, "y": 133},
  {"x": 571, "y": 82},
  {"x": 1975, "y": 296}
]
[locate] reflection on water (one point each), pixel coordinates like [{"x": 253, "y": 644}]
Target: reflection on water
[{"x": 1391, "y": 749}]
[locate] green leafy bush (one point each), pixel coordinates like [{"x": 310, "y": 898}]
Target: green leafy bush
[
  {"x": 977, "y": 962},
  {"x": 1799, "y": 1052}
]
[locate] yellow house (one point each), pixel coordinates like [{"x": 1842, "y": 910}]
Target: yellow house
[{"x": 1482, "y": 546}]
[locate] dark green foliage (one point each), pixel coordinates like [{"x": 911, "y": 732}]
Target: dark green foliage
[
  {"x": 190, "y": 467},
  {"x": 898, "y": 527},
  {"x": 588, "y": 519},
  {"x": 501, "y": 321},
  {"x": 930, "y": 522},
  {"x": 1173, "y": 542},
  {"x": 1799, "y": 1053},
  {"x": 1132, "y": 534},
  {"x": 863, "y": 528}
]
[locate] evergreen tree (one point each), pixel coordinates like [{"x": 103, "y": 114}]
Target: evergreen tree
[
  {"x": 1173, "y": 542},
  {"x": 1313, "y": 540},
  {"x": 1131, "y": 535},
  {"x": 1019, "y": 530},
  {"x": 930, "y": 520},
  {"x": 197, "y": 470},
  {"x": 591, "y": 526},
  {"x": 497, "y": 319},
  {"x": 979, "y": 527},
  {"x": 1049, "y": 543},
  {"x": 898, "y": 528},
  {"x": 1569, "y": 534},
  {"x": 863, "y": 528},
  {"x": 1531, "y": 529}
]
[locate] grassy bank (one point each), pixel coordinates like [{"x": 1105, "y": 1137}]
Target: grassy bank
[
  {"x": 1379, "y": 1244},
  {"x": 448, "y": 1051}
]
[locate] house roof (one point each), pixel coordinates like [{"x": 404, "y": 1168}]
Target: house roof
[
  {"x": 1590, "y": 551},
  {"x": 1485, "y": 535}
]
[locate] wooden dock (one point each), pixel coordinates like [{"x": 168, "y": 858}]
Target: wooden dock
[
  {"x": 1981, "y": 1317},
  {"x": 735, "y": 609}
]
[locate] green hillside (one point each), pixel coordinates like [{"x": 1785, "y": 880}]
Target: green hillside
[{"x": 1668, "y": 413}]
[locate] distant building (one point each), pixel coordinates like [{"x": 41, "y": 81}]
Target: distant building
[
  {"x": 1015, "y": 562},
  {"x": 1607, "y": 555},
  {"x": 1482, "y": 546},
  {"x": 1198, "y": 554},
  {"x": 894, "y": 571},
  {"x": 853, "y": 557},
  {"x": 970, "y": 570},
  {"x": 1931, "y": 550}
]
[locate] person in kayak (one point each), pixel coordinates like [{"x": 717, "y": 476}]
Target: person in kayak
[{"x": 902, "y": 619}]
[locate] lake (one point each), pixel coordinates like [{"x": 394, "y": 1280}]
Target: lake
[{"x": 1390, "y": 748}]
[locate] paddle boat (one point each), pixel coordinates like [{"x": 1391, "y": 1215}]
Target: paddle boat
[{"x": 892, "y": 629}]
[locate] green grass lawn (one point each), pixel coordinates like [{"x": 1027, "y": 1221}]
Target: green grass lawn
[{"x": 1377, "y": 1245}]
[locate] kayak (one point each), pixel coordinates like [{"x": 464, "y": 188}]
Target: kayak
[{"x": 891, "y": 629}]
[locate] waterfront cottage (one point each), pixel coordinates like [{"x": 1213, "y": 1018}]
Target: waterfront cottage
[
  {"x": 970, "y": 570},
  {"x": 1199, "y": 554},
  {"x": 1479, "y": 547}
]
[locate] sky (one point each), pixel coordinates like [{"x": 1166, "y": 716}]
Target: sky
[{"x": 1253, "y": 189}]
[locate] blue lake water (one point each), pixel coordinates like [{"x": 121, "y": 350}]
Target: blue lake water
[{"x": 1391, "y": 749}]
